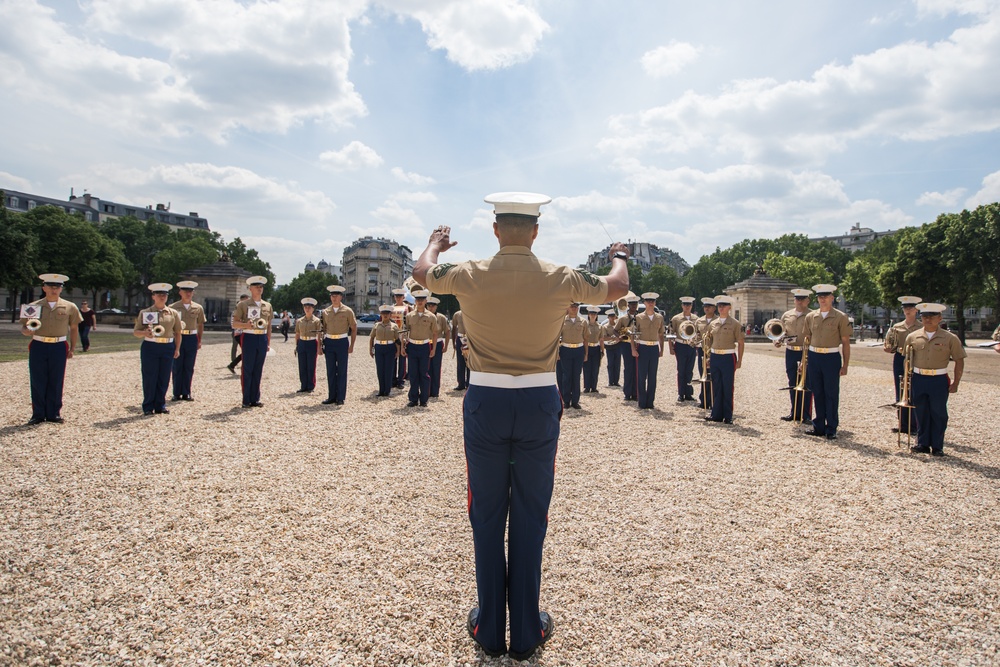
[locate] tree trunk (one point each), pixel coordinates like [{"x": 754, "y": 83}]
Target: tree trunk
[{"x": 960, "y": 319}]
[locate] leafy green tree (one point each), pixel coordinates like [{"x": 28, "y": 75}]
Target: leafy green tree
[
  {"x": 247, "y": 258},
  {"x": 664, "y": 281},
  {"x": 141, "y": 242},
  {"x": 962, "y": 234},
  {"x": 183, "y": 255},
  {"x": 859, "y": 286},
  {"x": 636, "y": 279},
  {"x": 801, "y": 272},
  {"x": 65, "y": 244},
  {"x": 106, "y": 269},
  {"x": 17, "y": 255},
  {"x": 986, "y": 249},
  {"x": 308, "y": 283},
  {"x": 708, "y": 277}
]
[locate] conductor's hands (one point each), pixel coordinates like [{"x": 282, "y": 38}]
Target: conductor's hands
[
  {"x": 617, "y": 246},
  {"x": 441, "y": 238}
]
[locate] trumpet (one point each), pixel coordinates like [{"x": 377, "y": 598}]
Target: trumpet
[
  {"x": 628, "y": 335},
  {"x": 158, "y": 330},
  {"x": 260, "y": 323},
  {"x": 706, "y": 378},
  {"x": 34, "y": 324}
]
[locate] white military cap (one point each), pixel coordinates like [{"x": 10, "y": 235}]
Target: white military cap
[
  {"x": 399, "y": 292},
  {"x": 798, "y": 291},
  {"x": 336, "y": 289},
  {"x": 420, "y": 294},
  {"x": 53, "y": 278},
  {"x": 517, "y": 203},
  {"x": 574, "y": 304},
  {"x": 433, "y": 300},
  {"x": 723, "y": 300},
  {"x": 593, "y": 309},
  {"x": 256, "y": 280},
  {"x": 187, "y": 284},
  {"x": 308, "y": 301},
  {"x": 610, "y": 312},
  {"x": 650, "y": 296},
  {"x": 824, "y": 289},
  {"x": 687, "y": 299},
  {"x": 384, "y": 308},
  {"x": 708, "y": 301},
  {"x": 909, "y": 300},
  {"x": 632, "y": 299},
  {"x": 160, "y": 287},
  {"x": 931, "y": 308}
]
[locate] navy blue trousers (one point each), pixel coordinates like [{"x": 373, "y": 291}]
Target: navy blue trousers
[
  {"x": 630, "y": 386},
  {"x": 705, "y": 393},
  {"x": 571, "y": 362},
  {"x": 898, "y": 364},
  {"x": 84, "y": 336},
  {"x": 47, "y": 369},
  {"x": 155, "y": 362},
  {"x": 592, "y": 368},
  {"x": 419, "y": 372},
  {"x": 436, "y": 369},
  {"x": 461, "y": 368},
  {"x": 723, "y": 371},
  {"x": 685, "y": 355},
  {"x": 929, "y": 395},
  {"x": 252, "y": 370},
  {"x": 823, "y": 376},
  {"x": 335, "y": 352},
  {"x": 307, "y": 351},
  {"x": 401, "y": 370},
  {"x": 792, "y": 359},
  {"x": 614, "y": 356},
  {"x": 647, "y": 365},
  {"x": 385, "y": 367},
  {"x": 184, "y": 365},
  {"x": 511, "y": 437}
]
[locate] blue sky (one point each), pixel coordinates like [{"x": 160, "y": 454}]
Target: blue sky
[{"x": 303, "y": 125}]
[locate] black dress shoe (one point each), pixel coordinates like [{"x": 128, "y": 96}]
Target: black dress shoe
[
  {"x": 711, "y": 419},
  {"x": 819, "y": 434},
  {"x": 301, "y": 391},
  {"x": 916, "y": 449},
  {"x": 470, "y": 626},
  {"x": 575, "y": 406},
  {"x": 680, "y": 399},
  {"x": 232, "y": 369},
  {"x": 162, "y": 411},
  {"x": 458, "y": 388},
  {"x": 187, "y": 397},
  {"x": 146, "y": 413},
  {"x": 727, "y": 421},
  {"x": 247, "y": 405},
  {"x": 258, "y": 404},
  {"x": 35, "y": 421},
  {"x": 787, "y": 418},
  {"x": 329, "y": 401},
  {"x": 56, "y": 420},
  {"x": 424, "y": 404},
  {"x": 894, "y": 429},
  {"x": 547, "y": 627},
  {"x": 689, "y": 398},
  {"x": 176, "y": 398},
  {"x": 831, "y": 436},
  {"x": 338, "y": 402},
  {"x": 937, "y": 452},
  {"x": 411, "y": 404}
]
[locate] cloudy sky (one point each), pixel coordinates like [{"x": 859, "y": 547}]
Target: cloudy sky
[{"x": 301, "y": 125}]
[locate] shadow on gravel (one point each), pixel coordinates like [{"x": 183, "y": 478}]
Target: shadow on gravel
[
  {"x": 989, "y": 472},
  {"x": 845, "y": 440},
  {"x": 121, "y": 421},
  {"x": 16, "y": 428},
  {"x": 965, "y": 449},
  {"x": 222, "y": 416},
  {"x": 317, "y": 408}
]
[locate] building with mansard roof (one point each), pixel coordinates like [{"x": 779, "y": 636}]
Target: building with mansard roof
[
  {"x": 646, "y": 255},
  {"x": 372, "y": 268}
]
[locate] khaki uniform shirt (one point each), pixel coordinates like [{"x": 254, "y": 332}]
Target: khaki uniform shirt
[
  {"x": 57, "y": 320},
  {"x": 458, "y": 324},
  {"x": 826, "y": 332},
  {"x": 726, "y": 335},
  {"x": 593, "y": 332},
  {"x": 609, "y": 333},
  {"x": 702, "y": 324},
  {"x": 190, "y": 317},
  {"x": 266, "y": 312},
  {"x": 388, "y": 332},
  {"x": 675, "y": 325},
  {"x": 169, "y": 318},
  {"x": 574, "y": 331},
  {"x": 794, "y": 324},
  {"x": 625, "y": 322},
  {"x": 422, "y": 325},
  {"x": 650, "y": 328},
  {"x": 935, "y": 352},
  {"x": 340, "y": 322},
  {"x": 443, "y": 328},
  {"x": 495, "y": 316},
  {"x": 996, "y": 333},
  {"x": 308, "y": 327},
  {"x": 902, "y": 332}
]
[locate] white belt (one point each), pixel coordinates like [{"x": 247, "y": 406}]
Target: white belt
[
  {"x": 794, "y": 348},
  {"x": 613, "y": 342},
  {"x": 593, "y": 344},
  {"x": 385, "y": 342},
  {"x": 503, "y": 381},
  {"x": 719, "y": 351},
  {"x": 256, "y": 332},
  {"x": 188, "y": 332},
  {"x": 336, "y": 336},
  {"x": 307, "y": 337},
  {"x": 824, "y": 350},
  {"x": 571, "y": 344},
  {"x": 423, "y": 341},
  {"x": 649, "y": 342},
  {"x": 160, "y": 340},
  {"x": 49, "y": 339},
  {"x": 930, "y": 371}
]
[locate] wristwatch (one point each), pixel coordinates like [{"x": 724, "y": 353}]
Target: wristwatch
[{"x": 620, "y": 255}]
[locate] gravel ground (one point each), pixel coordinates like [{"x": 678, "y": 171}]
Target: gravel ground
[{"x": 303, "y": 534}]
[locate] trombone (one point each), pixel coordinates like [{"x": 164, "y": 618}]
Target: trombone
[
  {"x": 800, "y": 388},
  {"x": 904, "y": 401},
  {"x": 706, "y": 367}
]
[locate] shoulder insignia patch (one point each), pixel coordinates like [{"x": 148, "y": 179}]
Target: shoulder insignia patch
[
  {"x": 442, "y": 269},
  {"x": 589, "y": 277}
]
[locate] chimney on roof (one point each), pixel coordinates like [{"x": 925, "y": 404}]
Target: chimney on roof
[
  {"x": 193, "y": 214},
  {"x": 161, "y": 207}
]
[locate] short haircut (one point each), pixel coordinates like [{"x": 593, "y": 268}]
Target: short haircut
[{"x": 519, "y": 224}]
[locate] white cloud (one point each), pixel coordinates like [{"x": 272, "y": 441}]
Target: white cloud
[
  {"x": 352, "y": 157},
  {"x": 415, "y": 197},
  {"x": 477, "y": 34},
  {"x": 670, "y": 59},
  {"x": 14, "y": 182},
  {"x": 988, "y": 194},
  {"x": 411, "y": 177},
  {"x": 941, "y": 199}
]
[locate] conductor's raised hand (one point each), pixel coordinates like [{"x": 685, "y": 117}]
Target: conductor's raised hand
[{"x": 441, "y": 238}]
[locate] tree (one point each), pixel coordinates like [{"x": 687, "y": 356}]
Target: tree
[
  {"x": 141, "y": 242},
  {"x": 636, "y": 279},
  {"x": 801, "y": 272},
  {"x": 17, "y": 255},
  {"x": 707, "y": 278},
  {"x": 962, "y": 234},
  {"x": 106, "y": 270},
  {"x": 986, "y": 250},
  {"x": 185, "y": 254},
  {"x": 247, "y": 258},
  {"x": 307, "y": 283},
  {"x": 664, "y": 281},
  {"x": 859, "y": 286}
]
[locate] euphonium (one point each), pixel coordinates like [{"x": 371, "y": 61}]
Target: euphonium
[
  {"x": 890, "y": 340},
  {"x": 622, "y": 303},
  {"x": 158, "y": 330},
  {"x": 34, "y": 324},
  {"x": 687, "y": 331},
  {"x": 774, "y": 330}
]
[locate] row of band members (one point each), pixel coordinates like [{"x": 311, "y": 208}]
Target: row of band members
[{"x": 409, "y": 343}]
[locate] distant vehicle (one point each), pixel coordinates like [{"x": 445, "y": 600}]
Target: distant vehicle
[
  {"x": 110, "y": 311},
  {"x": 369, "y": 317}
]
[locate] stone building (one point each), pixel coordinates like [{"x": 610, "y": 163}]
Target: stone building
[
  {"x": 372, "y": 268},
  {"x": 325, "y": 267},
  {"x": 95, "y": 209},
  {"x": 857, "y": 238},
  {"x": 646, "y": 255},
  {"x": 219, "y": 288},
  {"x": 760, "y": 297}
]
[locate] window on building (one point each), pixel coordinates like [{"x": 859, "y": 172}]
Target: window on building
[
  {"x": 13, "y": 202},
  {"x": 130, "y": 211},
  {"x": 373, "y": 253},
  {"x": 31, "y": 204}
]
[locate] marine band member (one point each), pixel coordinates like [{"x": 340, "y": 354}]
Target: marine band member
[
  {"x": 382, "y": 345},
  {"x": 443, "y": 337},
  {"x": 192, "y": 329},
  {"x": 708, "y": 307},
  {"x": 794, "y": 322},
  {"x": 610, "y": 344},
  {"x": 727, "y": 344},
  {"x": 647, "y": 348},
  {"x": 826, "y": 332},
  {"x": 159, "y": 350},
  {"x": 683, "y": 351},
  {"x": 895, "y": 339},
  {"x": 572, "y": 355},
  {"x": 592, "y": 366},
  {"x": 256, "y": 341},
  {"x": 308, "y": 339},
  {"x": 400, "y": 309},
  {"x": 340, "y": 330},
  {"x": 418, "y": 347},
  {"x": 458, "y": 345},
  {"x": 629, "y": 363}
]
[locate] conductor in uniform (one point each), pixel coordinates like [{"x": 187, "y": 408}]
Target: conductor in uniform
[
  {"x": 933, "y": 347},
  {"x": 340, "y": 329},
  {"x": 895, "y": 339},
  {"x": 512, "y": 408},
  {"x": 192, "y": 328},
  {"x": 159, "y": 327},
  {"x": 826, "y": 331},
  {"x": 627, "y": 323},
  {"x": 684, "y": 352},
  {"x": 308, "y": 338},
  {"x": 383, "y": 348},
  {"x": 727, "y": 345},
  {"x": 253, "y": 317},
  {"x": 53, "y": 320},
  {"x": 794, "y": 322}
]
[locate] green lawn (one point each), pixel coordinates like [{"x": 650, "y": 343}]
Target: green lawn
[{"x": 14, "y": 346}]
